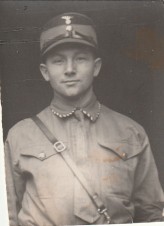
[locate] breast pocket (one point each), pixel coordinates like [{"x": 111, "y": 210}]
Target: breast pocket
[
  {"x": 36, "y": 156},
  {"x": 45, "y": 170},
  {"x": 118, "y": 169}
]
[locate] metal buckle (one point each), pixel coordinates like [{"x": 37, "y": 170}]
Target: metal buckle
[
  {"x": 103, "y": 210},
  {"x": 59, "y": 146}
]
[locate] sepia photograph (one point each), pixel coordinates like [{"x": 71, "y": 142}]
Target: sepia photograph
[{"x": 82, "y": 108}]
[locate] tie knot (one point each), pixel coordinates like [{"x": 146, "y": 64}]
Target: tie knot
[{"x": 79, "y": 114}]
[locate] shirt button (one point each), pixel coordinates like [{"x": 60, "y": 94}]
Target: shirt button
[
  {"x": 42, "y": 156},
  {"x": 124, "y": 155}
]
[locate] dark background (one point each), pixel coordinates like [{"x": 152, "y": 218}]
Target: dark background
[{"x": 131, "y": 37}]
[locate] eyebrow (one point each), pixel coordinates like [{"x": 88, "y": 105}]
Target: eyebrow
[{"x": 76, "y": 53}]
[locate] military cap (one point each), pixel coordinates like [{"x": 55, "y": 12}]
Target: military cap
[{"x": 68, "y": 28}]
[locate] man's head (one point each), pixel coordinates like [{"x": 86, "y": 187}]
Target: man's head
[{"x": 69, "y": 55}]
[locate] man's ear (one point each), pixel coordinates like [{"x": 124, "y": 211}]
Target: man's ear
[
  {"x": 44, "y": 72},
  {"x": 98, "y": 63}
]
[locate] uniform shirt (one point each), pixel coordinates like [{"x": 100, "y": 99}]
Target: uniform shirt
[{"x": 111, "y": 150}]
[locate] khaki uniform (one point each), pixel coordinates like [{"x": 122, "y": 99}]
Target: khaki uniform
[{"x": 111, "y": 150}]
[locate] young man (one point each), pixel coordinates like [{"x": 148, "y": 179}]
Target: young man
[{"x": 100, "y": 168}]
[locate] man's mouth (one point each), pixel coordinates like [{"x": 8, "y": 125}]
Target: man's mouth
[{"x": 70, "y": 82}]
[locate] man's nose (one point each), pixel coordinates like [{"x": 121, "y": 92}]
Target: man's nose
[{"x": 70, "y": 68}]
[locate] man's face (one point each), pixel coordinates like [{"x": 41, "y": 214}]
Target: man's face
[{"x": 70, "y": 69}]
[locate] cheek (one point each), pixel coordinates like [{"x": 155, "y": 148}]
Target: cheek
[
  {"x": 87, "y": 74},
  {"x": 86, "y": 70},
  {"x": 53, "y": 80},
  {"x": 55, "y": 70},
  {"x": 55, "y": 74},
  {"x": 87, "y": 81}
]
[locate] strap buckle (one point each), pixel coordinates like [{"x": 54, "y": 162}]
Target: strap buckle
[
  {"x": 59, "y": 146},
  {"x": 103, "y": 210}
]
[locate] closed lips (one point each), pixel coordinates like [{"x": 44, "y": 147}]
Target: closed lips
[{"x": 68, "y": 81}]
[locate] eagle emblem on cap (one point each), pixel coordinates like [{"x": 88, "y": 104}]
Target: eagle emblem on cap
[{"x": 67, "y": 19}]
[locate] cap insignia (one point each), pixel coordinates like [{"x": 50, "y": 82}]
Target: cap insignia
[
  {"x": 68, "y": 25},
  {"x": 69, "y": 28},
  {"x": 67, "y": 19}
]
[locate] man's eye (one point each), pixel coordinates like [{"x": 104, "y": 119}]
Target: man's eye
[
  {"x": 58, "y": 61},
  {"x": 82, "y": 58}
]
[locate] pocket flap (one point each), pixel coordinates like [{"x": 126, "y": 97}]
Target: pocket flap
[
  {"x": 40, "y": 152},
  {"x": 122, "y": 149}
]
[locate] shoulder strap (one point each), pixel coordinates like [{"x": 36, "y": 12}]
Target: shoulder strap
[{"x": 60, "y": 147}]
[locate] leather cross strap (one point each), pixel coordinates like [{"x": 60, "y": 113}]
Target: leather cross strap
[{"x": 60, "y": 147}]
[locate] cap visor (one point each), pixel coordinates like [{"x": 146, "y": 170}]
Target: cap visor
[{"x": 67, "y": 40}]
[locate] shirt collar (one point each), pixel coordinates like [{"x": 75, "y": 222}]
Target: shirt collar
[{"x": 91, "y": 109}]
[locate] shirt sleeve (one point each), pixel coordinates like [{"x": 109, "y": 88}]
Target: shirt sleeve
[
  {"x": 15, "y": 185},
  {"x": 148, "y": 195}
]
